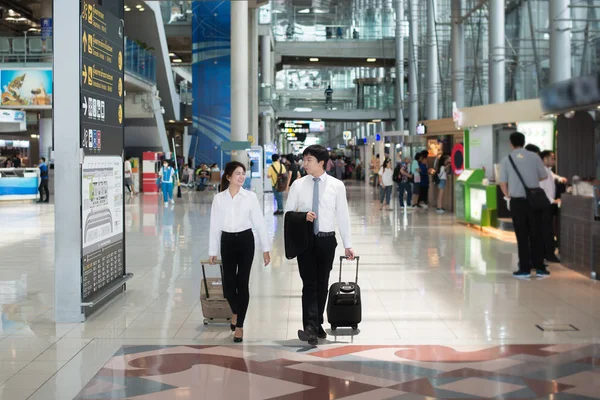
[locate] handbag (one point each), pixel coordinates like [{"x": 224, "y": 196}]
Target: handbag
[{"x": 536, "y": 197}]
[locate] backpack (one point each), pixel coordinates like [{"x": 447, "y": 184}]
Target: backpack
[{"x": 282, "y": 179}]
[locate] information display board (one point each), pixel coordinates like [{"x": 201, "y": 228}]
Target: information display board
[{"x": 101, "y": 138}]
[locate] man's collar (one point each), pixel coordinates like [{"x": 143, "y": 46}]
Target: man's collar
[{"x": 322, "y": 177}]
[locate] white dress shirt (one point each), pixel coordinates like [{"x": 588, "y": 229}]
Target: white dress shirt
[
  {"x": 333, "y": 205},
  {"x": 549, "y": 185},
  {"x": 236, "y": 214}
]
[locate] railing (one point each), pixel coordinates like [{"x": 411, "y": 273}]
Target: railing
[
  {"x": 32, "y": 50},
  {"x": 23, "y": 49},
  {"x": 139, "y": 62},
  {"x": 305, "y": 25},
  {"x": 380, "y": 103}
]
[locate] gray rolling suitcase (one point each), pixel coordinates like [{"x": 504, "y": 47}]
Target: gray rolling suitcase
[{"x": 212, "y": 297}]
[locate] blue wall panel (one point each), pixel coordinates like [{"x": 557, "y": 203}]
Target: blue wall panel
[{"x": 211, "y": 70}]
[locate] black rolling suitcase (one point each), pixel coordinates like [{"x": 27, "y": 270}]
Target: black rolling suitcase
[{"x": 344, "y": 304}]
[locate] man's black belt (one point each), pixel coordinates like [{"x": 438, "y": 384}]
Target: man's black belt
[{"x": 325, "y": 234}]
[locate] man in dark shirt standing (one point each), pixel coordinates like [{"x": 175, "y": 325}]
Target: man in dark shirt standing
[
  {"x": 329, "y": 95},
  {"x": 43, "y": 181}
]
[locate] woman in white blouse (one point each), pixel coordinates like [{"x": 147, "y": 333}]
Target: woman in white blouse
[
  {"x": 386, "y": 182},
  {"x": 235, "y": 211}
]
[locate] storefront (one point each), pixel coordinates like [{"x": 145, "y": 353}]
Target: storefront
[
  {"x": 576, "y": 105},
  {"x": 487, "y": 130}
]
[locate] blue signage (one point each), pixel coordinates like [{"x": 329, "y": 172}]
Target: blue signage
[{"x": 46, "y": 28}]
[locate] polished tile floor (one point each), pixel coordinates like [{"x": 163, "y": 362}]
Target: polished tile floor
[{"x": 427, "y": 282}]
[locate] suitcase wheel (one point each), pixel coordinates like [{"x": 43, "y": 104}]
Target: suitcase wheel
[
  {"x": 205, "y": 321},
  {"x": 333, "y": 327},
  {"x": 354, "y": 327}
]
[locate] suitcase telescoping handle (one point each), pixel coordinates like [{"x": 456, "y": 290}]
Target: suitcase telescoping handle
[
  {"x": 207, "y": 262},
  {"x": 342, "y": 258}
]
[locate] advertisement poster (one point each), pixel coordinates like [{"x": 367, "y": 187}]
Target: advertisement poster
[
  {"x": 102, "y": 221},
  {"x": 26, "y": 87}
]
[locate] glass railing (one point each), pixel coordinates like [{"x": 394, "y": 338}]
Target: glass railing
[
  {"x": 32, "y": 51},
  {"x": 140, "y": 62},
  {"x": 379, "y": 102},
  {"x": 176, "y": 12},
  {"x": 337, "y": 23}
]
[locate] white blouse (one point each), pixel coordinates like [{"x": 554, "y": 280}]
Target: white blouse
[
  {"x": 236, "y": 214},
  {"x": 387, "y": 176}
]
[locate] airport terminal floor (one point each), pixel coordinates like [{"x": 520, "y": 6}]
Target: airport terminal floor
[{"x": 443, "y": 317}]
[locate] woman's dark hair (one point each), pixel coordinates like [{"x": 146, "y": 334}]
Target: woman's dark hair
[
  {"x": 533, "y": 148},
  {"x": 317, "y": 151},
  {"x": 228, "y": 172},
  {"x": 387, "y": 161}
]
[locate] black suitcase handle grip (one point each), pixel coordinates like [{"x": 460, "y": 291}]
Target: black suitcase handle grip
[
  {"x": 220, "y": 264},
  {"x": 342, "y": 258}
]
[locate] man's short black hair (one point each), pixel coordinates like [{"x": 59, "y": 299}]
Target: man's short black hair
[
  {"x": 43, "y": 159},
  {"x": 275, "y": 157},
  {"x": 377, "y": 156},
  {"x": 534, "y": 149},
  {"x": 317, "y": 151},
  {"x": 517, "y": 139},
  {"x": 546, "y": 153}
]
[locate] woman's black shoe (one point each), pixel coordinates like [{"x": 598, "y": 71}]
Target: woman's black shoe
[
  {"x": 238, "y": 339},
  {"x": 232, "y": 327}
]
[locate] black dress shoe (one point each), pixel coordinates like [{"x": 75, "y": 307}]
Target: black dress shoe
[
  {"x": 232, "y": 327},
  {"x": 321, "y": 334},
  {"x": 308, "y": 335}
]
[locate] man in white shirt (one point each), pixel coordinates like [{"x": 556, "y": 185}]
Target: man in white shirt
[
  {"x": 550, "y": 212},
  {"x": 323, "y": 198}
]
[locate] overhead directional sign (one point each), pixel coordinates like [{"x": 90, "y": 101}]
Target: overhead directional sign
[{"x": 102, "y": 77}]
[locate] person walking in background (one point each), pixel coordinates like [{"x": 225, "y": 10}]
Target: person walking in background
[
  {"x": 340, "y": 166},
  {"x": 424, "y": 181},
  {"x": 44, "y": 179},
  {"x": 328, "y": 96},
  {"x": 527, "y": 221},
  {"x": 279, "y": 180},
  {"x": 386, "y": 183},
  {"x": 323, "y": 199},
  {"x": 167, "y": 177},
  {"x": 415, "y": 171},
  {"x": 128, "y": 174},
  {"x": 442, "y": 174},
  {"x": 551, "y": 211},
  {"x": 375, "y": 167},
  {"x": 293, "y": 170},
  {"x": 234, "y": 212},
  {"x": 402, "y": 177}
]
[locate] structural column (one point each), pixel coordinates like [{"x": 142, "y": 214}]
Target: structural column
[
  {"x": 560, "y": 40},
  {"x": 399, "y": 4},
  {"x": 413, "y": 67},
  {"x": 497, "y": 74},
  {"x": 458, "y": 54},
  {"x": 433, "y": 74},
  {"x": 239, "y": 75},
  {"x": 67, "y": 178},
  {"x": 253, "y": 61}
]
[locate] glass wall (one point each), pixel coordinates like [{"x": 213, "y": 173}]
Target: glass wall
[{"x": 140, "y": 62}]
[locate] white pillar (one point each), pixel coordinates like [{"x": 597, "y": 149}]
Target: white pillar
[
  {"x": 45, "y": 141},
  {"x": 458, "y": 54},
  {"x": 433, "y": 75},
  {"x": 497, "y": 75},
  {"x": 253, "y": 61},
  {"x": 266, "y": 67},
  {"x": 560, "y": 40},
  {"x": 399, "y": 65},
  {"x": 413, "y": 67},
  {"x": 67, "y": 182},
  {"x": 239, "y": 75}
]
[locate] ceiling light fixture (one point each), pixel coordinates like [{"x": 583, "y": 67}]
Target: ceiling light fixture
[
  {"x": 142, "y": 9},
  {"x": 376, "y": 120},
  {"x": 305, "y": 11},
  {"x": 314, "y": 59},
  {"x": 138, "y": 6},
  {"x": 127, "y": 9},
  {"x": 171, "y": 121},
  {"x": 171, "y": 54},
  {"x": 177, "y": 60},
  {"x": 371, "y": 59}
]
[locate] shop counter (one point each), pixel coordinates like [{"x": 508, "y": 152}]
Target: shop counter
[
  {"x": 580, "y": 235},
  {"x": 475, "y": 203},
  {"x": 19, "y": 183}
]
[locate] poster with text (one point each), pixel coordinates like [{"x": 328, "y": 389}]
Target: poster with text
[{"x": 26, "y": 87}]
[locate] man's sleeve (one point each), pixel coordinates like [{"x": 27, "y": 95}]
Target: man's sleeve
[{"x": 504, "y": 171}]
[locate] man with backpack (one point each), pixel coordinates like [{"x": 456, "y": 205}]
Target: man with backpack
[{"x": 279, "y": 179}]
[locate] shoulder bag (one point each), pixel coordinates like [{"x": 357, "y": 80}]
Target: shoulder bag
[{"x": 536, "y": 197}]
